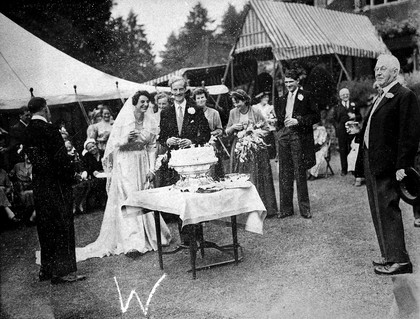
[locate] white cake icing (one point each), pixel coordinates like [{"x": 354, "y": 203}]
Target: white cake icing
[{"x": 193, "y": 156}]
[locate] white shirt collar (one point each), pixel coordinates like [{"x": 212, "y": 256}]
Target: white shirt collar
[
  {"x": 386, "y": 89},
  {"x": 23, "y": 123},
  {"x": 294, "y": 93},
  {"x": 182, "y": 104},
  {"x": 39, "y": 117}
]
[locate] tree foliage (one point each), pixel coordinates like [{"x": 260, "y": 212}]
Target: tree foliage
[
  {"x": 231, "y": 22},
  {"x": 391, "y": 28},
  {"x": 130, "y": 55},
  {"x": 186, "y": 49},
  {"x": 77, "y": 27},
  {"x": 85, "y": 30}
]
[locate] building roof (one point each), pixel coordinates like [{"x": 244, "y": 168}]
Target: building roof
[{"x": 294, "y": 30}]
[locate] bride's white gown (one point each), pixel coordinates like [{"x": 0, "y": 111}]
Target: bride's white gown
[{"x": 121, "y": 233}]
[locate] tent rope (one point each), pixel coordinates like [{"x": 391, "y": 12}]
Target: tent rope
[
  {"x": 81, "y": 105},
  {"x": 13, "y": 70},
  {"x": 119, "y": 93}
]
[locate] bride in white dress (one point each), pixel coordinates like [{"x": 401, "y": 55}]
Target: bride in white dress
[{"x": 129, "y": 161}]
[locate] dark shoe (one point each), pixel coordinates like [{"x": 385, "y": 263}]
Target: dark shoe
[
  {"x": 67, "y": 279},
  {"x": 284, "y": 215},
  {"x": 380, "y": 262},
  {"x": 417, "y": 222},
  {"x": 133, "y": 253},
  {"x": 343, "y": 173},
  {"x": 307, "y": 216},
  {"x": 311, "y": 177},
  {"x": 15, "y": 220},
  {"x": 79, "y": 211},
  {"x": 394, "y": 269},
  {"x": 43, "y": 275}
]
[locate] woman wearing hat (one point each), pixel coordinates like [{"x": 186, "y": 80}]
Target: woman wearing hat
[
  {"x": 259, "y": 168},
  {"x": 267, "y": 110}
]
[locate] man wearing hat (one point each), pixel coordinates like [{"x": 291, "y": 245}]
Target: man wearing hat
[
  {"x": 390, "y": 137},
  {"x": 296, "y": 113},
  {"x": 52, "y": 183}
]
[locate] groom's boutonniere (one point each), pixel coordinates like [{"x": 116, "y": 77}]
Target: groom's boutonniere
[
  {"x": 300, "y": 97},
  {"x": 389, "y": 95},
  {"x": 352, "y": 104},
  {"x": 191, "y": 110}
]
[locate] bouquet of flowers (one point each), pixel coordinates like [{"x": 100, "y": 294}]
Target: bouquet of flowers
[{"x": 249, "y": 142}]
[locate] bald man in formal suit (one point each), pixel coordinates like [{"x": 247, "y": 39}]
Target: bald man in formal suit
[{"x": 390, "y": 138}]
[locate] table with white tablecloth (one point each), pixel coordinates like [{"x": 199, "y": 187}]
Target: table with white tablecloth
[{"x": 242, "y": 205}]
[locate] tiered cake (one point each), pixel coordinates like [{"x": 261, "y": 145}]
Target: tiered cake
[{"x": 193, "y": 161}]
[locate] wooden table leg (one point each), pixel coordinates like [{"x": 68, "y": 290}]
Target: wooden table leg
[
  {"x": 235, "y": 238},
  {"x": 193, "y": 248},
  {"x": 158, "y": 238},
  {"x": 201, "y": 238}
]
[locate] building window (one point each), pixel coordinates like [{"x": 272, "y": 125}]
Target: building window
[{"x": 380, "y": 2}]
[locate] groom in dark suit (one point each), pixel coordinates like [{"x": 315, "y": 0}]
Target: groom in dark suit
[
  {"x": 182, "y": 124},
  {"x": 390, "y": 138},
  {"x": 296, "y": 113},
  {"x": 52, "y": 183}
]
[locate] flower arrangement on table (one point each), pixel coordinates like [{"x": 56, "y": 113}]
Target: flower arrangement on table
[{"x": 250, "y": 141}]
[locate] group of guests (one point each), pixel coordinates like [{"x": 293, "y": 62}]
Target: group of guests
[
  {"x": 16, "y": 195},
  {"x": 142, "y": 130}
]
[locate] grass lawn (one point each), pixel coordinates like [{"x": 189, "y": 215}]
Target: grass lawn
[{"x": 319, "y": 268}]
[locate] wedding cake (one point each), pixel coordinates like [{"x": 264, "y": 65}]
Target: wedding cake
[{"x": 193, "y": 156}]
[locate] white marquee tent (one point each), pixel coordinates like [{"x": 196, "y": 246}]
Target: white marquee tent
[{"x": 28, "y": 62}]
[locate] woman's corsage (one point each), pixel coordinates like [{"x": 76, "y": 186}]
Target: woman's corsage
[
  {"x": 249, "y": 142},
  {"x": 191, "y": 110},
  {"x": 389, "y": 95},
  {"x": 300, "y": 97}
]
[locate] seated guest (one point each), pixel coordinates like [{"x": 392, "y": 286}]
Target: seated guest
[
  {"x": 259, "y": 168},
  {"x": 95, "y": 117},
  {"x": 5, "y": 191},
  {"x": 82, "y": 186},
  {"x": 101, "y": 130},
  {"x": 21, "y": 175},
  {"x": 321, "y": 140},
  {"x": 200, "y": 96},
  {"x": 93, "y": 165}
]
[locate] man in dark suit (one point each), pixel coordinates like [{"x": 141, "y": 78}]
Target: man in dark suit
[
  {"x": 52, "y": 183},
  {"x": 345, "y": 111},
  {"x": 390, "y": 138},
  {"x": 17, "y": 133},
  {"x": 182, "y": 124},
  {"x": 296, "y": 113}
]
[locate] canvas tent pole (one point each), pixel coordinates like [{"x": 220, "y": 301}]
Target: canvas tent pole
[
  {"x": 339, "y": 78},
  {"x": 274, "y": 80},
  {"x": 81, "y": 106},
  {"x": 223, "y": 82},
  {"x": 232, "y": 80},
  {"x": 342, "y": 67},
  {"x": 119, "y": 93}
]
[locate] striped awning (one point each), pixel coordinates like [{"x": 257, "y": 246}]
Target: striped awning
[{"x": 294, "y": 30}]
